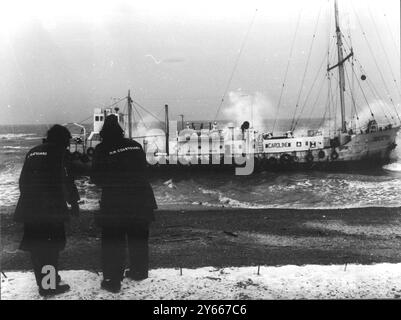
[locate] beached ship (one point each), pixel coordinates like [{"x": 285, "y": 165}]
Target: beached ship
[{"x": 211, "y": 144}]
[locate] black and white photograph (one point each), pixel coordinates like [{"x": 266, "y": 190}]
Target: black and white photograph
[{"x": 213, "y": 150}]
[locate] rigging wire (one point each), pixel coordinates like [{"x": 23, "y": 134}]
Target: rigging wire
[
  {"x": 316, "y": 100},
  {"x": 335, "y": 105},
  {"x": 330, "y": 100},
  {"x": 293, "y": 127},
  {"x": 125, "y": 113},
  {"x": 348, "y": 94},
  {"x": 376, "y": 63},
  {"x": 352, "y": 82},
  {"x": 354, "y": 111},
  {"x": 306, "y": 67},
  {"x": 116, "y": 102},
  {"x": 397, "y": 49},
  {"x": 236, "y": 64},
  {"x": 286, "y": 70},
  {"x": 140, "y": 117},
  {"x": 329, "y": 19},
  {"x": 330, "y": 43},
  {"x": 310, "y": 91},
  {"x": 373, "y": 89},
  {"x": 80, "y": 122},
  {"x": 366, "y": 100},
  {"x": 321, "y": 123},
  {"x": 147, "y": 111},
  {"x": 109, "y": 106},
  {"x": 132, "y": 115},
  {"x": 351, "y": 86},
  {"x": 330, "y": 104},
  {"x": 154, "y": 141},
  {"x": 159, "y": 113},
  {"x": 353, "y": 100},
  {"x": 385, "y": 52}
]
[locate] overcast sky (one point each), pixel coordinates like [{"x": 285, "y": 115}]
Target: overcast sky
[{"x": 61, "y": 59}]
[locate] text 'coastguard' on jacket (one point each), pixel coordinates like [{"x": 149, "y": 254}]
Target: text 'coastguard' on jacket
[
  {"x": 46, "y": 185},
  {"x": 119, "y": 168}
]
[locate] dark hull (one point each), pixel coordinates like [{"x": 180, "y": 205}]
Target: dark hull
[
  {"x": 161, "y": 170},
  {"x": 362, "y": 152}
]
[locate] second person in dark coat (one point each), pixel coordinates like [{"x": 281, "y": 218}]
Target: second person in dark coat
[{"x": 127, "y": 204}]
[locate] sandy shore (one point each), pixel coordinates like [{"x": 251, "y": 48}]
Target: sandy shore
[
  {"x": 236, "y": 237},
  {"x": 380, "y": 281}
]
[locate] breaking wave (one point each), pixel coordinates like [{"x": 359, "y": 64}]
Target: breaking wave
[
  {"x": 394, "y": 167},
  {"x": 14, "y": 148},
  {"x": 18, "y": 136},
  {"x": 9, "y": 189}
]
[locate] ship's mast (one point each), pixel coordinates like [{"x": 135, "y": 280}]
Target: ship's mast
[
  {"x": 167, "y": 128},
  {"x": 340, "y": 67},
  {"x": 129, "y": 100}
]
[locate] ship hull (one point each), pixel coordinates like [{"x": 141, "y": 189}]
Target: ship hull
[{"x": 362, "y": 151}]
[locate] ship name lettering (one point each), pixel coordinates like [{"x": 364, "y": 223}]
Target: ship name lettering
[{"x": 279, "y": 145}]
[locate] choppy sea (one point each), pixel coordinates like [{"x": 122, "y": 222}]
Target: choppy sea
[{"x": 311, "y": 189}]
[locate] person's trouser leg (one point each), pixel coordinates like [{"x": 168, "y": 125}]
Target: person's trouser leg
[
  {"x": 113, "y": 253},
  {"x": 138, "y": 248},
  {"x": 44, "y": 241},
  {"x": 41, "y": 257}
]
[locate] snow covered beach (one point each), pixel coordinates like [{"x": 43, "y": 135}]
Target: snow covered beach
[
  {"x": 380, "y": 281},
  {"x": 303, "y": 254}
]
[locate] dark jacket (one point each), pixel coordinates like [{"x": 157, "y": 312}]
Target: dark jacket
[
  {"x": 45, "y": 186},
  {"x": 119, "y": 168}
]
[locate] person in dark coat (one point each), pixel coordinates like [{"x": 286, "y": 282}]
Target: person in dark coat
[
  {"x": 46, "y": 186},
  {"x": 126, "y": 207}
]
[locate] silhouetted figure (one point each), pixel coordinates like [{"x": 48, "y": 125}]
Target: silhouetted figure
[
  {"x": 245, "y": 126},
  {"x": 127, "y": 205},
  {"x": 46, "y": 187}
]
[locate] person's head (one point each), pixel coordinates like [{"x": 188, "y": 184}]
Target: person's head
[
  {"x": 245, "y": 126},
  {"x": 111, "y": 129},
  {"x": 59, "y": 135}
]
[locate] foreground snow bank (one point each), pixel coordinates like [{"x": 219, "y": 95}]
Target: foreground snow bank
[{"x": 286, "y": 282}]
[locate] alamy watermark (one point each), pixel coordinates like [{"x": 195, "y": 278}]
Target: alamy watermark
[
  {"x": 192, "y": 147},
  {"x": 49, "y": 280}
]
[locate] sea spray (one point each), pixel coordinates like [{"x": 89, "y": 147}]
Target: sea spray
[
  {"x": 246, "y": 107},
  {"x": 383, "y": 113},
  {"x": 395, "y": 156},
  {"x": 153, "y": 136}
]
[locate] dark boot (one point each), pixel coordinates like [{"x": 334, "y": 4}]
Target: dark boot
[
  {"x": 136, "y": 275},
  {"x": 113, "y": 286},
  {"x": 60, "y": 288}
]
